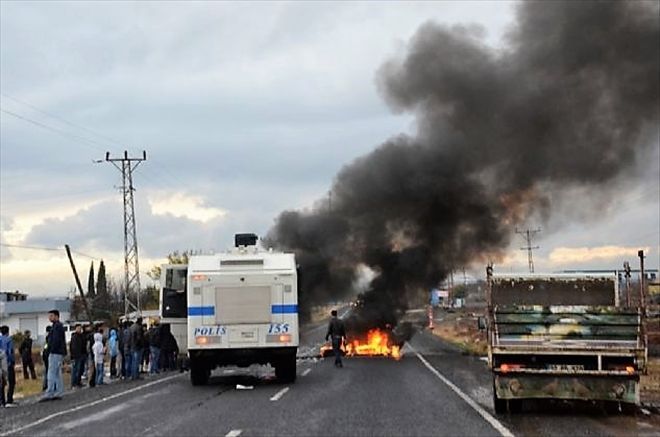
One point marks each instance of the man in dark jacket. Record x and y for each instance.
(137, 346)
(78, 349)
(169, 348)
(7, 345)
(89, 355)
(25, 350)
(56, 353)
(154, 348)
(127, 351)
(44, 358)
(337, 333)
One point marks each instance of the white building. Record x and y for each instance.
(21, 314)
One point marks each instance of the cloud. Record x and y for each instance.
(581, 255)
(184, 205)
(252, 115)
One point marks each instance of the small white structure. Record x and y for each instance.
(21, 314)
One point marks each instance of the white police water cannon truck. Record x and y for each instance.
(242, 309)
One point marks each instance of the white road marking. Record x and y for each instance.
(503, 430)
(234, 433)
(279, 394)
(306, 372)
(94, 417)
(80, 407)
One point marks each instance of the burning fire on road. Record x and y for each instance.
(378, 343)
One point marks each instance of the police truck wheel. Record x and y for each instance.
(285, 370)
(199, 373)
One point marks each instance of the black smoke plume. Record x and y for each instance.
(570, 101)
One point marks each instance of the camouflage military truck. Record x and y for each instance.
(562, 337)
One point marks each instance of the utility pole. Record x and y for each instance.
(528, 235)
(80, 289)
(626, 269)
(642, 277)
(126, 166)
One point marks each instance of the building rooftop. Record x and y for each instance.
(36, 305)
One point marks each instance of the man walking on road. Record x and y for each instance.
(7, 345)
(56, 352)
(78, 356)
(25, 350)
(337, 333)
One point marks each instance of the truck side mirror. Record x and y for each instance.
(481, 323)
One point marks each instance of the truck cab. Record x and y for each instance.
(174, 302)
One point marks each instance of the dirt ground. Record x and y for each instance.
(30, 387)
(460, 328)
(651, 383)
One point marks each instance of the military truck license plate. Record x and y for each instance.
(566, 367)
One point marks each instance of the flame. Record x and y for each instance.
(378, 344)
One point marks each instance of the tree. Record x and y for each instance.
(103, 301)
(172, 258)
(102, 281)
(150, 298)
(91, 293)
(77, 306)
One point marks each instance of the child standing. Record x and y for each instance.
(99, 353)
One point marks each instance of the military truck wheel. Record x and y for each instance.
(499, 404)
(515, 406)
(285, 370)
(199, 373)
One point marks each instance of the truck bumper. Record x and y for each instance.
(580, 387)
(242, 357)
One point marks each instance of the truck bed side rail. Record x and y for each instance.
(570, 326)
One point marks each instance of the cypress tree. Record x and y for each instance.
(91, 292)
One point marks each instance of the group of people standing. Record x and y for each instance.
(132, 345)
(154, 349)
(8, 362)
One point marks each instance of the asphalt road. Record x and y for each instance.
(432, 390)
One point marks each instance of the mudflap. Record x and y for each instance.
(581, 387)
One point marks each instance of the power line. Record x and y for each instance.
(528, 235)
(19, 246)
(53, 249)
(92, 142)
(89, 142)
(57, 117)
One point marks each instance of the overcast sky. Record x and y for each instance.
(244, 109)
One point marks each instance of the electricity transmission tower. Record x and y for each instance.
(126, 166)
(528, 235)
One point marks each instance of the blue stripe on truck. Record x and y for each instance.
(210, 311)
(201, 311)
(284, 309)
